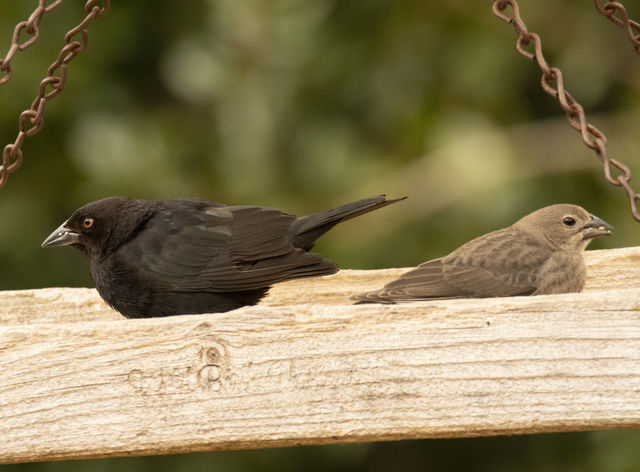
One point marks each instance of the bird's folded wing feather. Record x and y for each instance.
(221, 249)
(499, 264)
(425, 281)
(502, 263)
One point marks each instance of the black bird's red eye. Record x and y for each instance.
(87, 223)
(568, 221)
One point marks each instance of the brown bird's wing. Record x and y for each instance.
(219, 248)
(425, 281)
(499, 264)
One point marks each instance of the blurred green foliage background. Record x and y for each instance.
(305, 104)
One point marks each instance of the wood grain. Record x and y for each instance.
(307, 367)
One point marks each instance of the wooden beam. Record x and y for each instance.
(307, 367)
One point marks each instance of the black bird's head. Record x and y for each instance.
(100, 227)
(567, 227)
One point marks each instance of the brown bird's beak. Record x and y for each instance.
(62, 236)
(596, 228)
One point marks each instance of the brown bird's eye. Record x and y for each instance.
(568, 221)
(87, 223)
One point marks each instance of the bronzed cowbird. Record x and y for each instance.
(171, 257)
(539, 254)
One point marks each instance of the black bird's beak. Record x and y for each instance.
(596, 228)
(62, 236)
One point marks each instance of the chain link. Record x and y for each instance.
(30, 27)
(609, 10)
(530, 46)
(31, 120)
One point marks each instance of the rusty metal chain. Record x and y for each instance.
(31, 28)
(592, 136)
(31, 120)
(609, 10)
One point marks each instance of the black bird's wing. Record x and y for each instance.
(196, 246)
(499, 264)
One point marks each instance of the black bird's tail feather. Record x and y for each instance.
(306, 229)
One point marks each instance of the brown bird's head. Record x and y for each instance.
(567, 227)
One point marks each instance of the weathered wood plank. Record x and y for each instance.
(614, 268)
(306, 367)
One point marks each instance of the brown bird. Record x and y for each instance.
(539, 254)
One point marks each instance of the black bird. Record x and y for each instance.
(172, 257)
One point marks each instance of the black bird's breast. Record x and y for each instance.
(134, 294)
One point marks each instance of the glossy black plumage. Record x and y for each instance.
(169, 257)
(541, 253)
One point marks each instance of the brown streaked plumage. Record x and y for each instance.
(539, 254)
